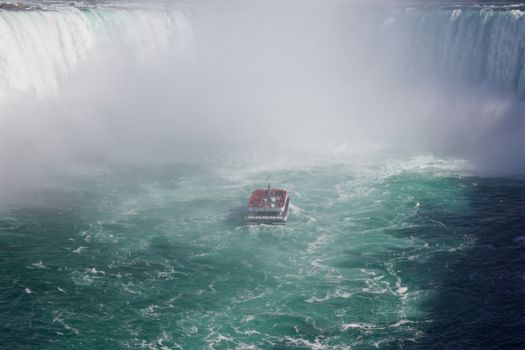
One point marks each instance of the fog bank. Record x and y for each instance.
(138, 84)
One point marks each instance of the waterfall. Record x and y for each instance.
(476, 45)
(157, 78)
(40, 48)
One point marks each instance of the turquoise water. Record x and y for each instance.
(406, 254)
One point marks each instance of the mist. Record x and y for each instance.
(178, 82)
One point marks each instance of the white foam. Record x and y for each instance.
(342, 294)
(150, 311)
(401, 323)
(79, 250)
(243, 346)
(316, 345)
(402, 290)
(94, 271)
(248, 318)
(321, 240)
(366, 326)
(337, 294)
(517, 14)
(82, 279)
(38, 265)
(314, 299)
(455, 14)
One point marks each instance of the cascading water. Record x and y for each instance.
(41, 49)
(479, 45)
(132, 135)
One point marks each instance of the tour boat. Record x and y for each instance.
(269, 206)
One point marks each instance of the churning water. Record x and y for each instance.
(407, 254)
